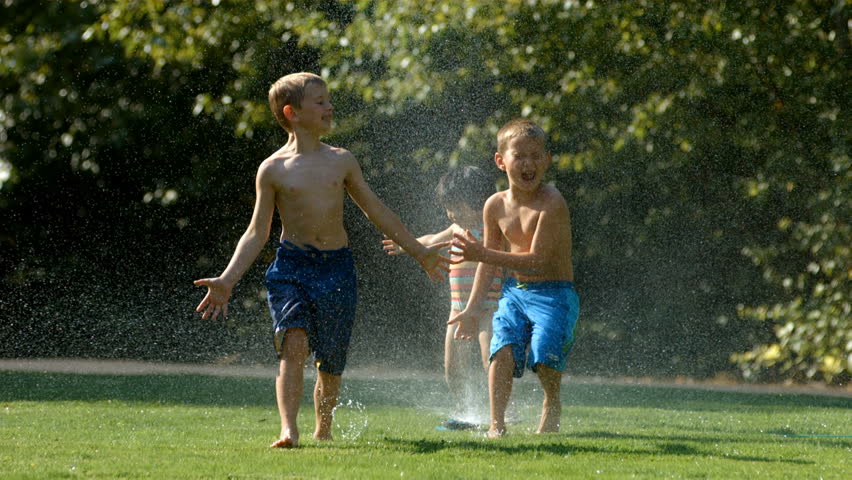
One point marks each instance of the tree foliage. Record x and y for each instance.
(689, 138)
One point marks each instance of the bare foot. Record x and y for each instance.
(322, 436)
(495, 433)
(549, 422)
(286, 442)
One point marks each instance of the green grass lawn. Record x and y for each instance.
(193, 426)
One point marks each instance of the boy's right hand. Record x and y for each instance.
(216, 300)
(467, 248)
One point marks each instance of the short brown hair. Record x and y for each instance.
(290, 90)
(519, 127)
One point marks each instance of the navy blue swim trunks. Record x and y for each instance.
(315, 290)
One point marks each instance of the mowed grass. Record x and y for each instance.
(193, 426)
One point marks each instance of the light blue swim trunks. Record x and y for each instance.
(540, 316)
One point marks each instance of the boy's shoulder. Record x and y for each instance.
(552, 195)
(548, 198)
(553, 201)
(341, 158)
(548, 195)
(279, 156)
(285, 153)
(337, 151)
(497, 197)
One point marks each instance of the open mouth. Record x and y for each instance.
(527, 176)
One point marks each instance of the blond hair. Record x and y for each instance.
(519, 127)
(290, 90)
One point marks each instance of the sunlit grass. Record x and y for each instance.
(191, 426)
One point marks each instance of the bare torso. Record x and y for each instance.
(309, 192)
(519, 220)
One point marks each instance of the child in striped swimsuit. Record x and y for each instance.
(462, 193)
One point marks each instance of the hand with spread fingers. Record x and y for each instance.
(467, 248)
(435, 264)
(216, 300)
(467, 325)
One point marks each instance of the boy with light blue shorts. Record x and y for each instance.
(528, 233)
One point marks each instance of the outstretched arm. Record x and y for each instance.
(392, 248)
(389, 223)
(250, 244)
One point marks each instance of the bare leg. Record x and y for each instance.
(325, 399)
(551, 410)
(453, 373)
(499, 389)
(289, 386)
(485, 338)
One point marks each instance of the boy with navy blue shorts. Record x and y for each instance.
(528, 233)
(311, 284)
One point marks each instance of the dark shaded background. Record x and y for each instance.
(703, 151)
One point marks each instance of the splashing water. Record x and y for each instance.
(350, 419)
(473, 407)
(465, 380)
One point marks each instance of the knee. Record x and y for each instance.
(504, 355)
(502, 362)
(295, 345)
(328, 384)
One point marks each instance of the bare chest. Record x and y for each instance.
(518, 226)
(311, 181)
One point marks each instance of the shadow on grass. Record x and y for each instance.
(241, 391)
(565, 448)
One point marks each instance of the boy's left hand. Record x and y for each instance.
(433, 262)
(467, 248)
(467, 323)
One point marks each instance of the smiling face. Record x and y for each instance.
(316, 112)
(524, 159)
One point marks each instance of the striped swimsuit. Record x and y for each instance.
(461, 281)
